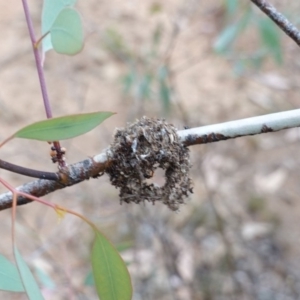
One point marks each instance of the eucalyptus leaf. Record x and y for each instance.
(31, 287)
(9, 276)
(144, 89)
(51, 9)
(67, 32)
(226, 38)
(44, 279)
(271, 39)
(165, 95)
(231, 6)
(89, 279)
(62, 128)
(112, 280)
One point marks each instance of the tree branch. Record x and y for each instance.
(95, 166)
(70, 175)
(279, 19)
(239, 128)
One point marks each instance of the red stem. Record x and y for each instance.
(38, 61)
(41, 76)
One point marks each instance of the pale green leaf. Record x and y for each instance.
(67, 32)
(230, 33)
(226, 38)
(165, 95)
(62, 128)
(44, 278)
(31, 287)
(89, 279)
(9, 276)
(111, 276)
(144, 88)
(231, 6)
(51, 9)
(270, 37)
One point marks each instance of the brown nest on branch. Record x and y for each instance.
(138, 150)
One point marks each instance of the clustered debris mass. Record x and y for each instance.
(140, 149)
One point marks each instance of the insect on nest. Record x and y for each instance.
(138, 150)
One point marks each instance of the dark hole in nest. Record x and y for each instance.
(142, 149)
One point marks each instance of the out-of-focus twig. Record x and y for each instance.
(279, 19)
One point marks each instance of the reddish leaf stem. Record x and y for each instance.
(38, 61)
(41, 76)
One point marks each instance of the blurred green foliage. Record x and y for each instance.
(147, 76)
(256, 205)
(241, 17)
(44, 278)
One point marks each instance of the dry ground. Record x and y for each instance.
(238, 235)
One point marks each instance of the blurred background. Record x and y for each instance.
(193, 63)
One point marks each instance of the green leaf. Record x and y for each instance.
(165, 95)
(114, 42)
(144, 88)
(67, 32)
(89, 279)
(156, 39)
(44, 279)
(231, 6)
(31, 287)
(129, 80)
(62, 128)
(9, 276)
(112, 279)
(163, 73)
(271, 38)
(230, 33)
(164, 88)
(51, 9)
(226, 38)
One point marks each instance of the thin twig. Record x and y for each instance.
(27, 171)
(279, 19)
(91, 167)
